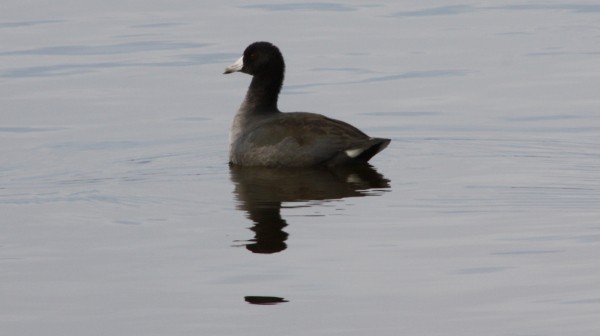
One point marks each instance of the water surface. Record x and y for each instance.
(120, 215)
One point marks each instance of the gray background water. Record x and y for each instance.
(120, 216)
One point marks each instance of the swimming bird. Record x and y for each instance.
(261, 135)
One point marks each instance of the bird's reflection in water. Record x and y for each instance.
(261, 191)
(264, 300)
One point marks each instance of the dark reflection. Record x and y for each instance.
(261, 191)
(264, 300)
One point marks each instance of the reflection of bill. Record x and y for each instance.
(264, 300)
(261, 191)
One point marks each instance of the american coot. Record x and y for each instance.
(261, 135)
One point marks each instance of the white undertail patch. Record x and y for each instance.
(354, 152)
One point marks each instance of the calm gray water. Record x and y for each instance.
(120, 215)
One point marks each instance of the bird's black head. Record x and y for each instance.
(260, 59)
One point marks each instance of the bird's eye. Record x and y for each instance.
(252, 56)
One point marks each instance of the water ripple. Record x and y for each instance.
(303, 6)
(462, 9)
(109, 49)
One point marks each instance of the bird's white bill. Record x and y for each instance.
(237, 66)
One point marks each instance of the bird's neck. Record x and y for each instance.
(262, 94)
